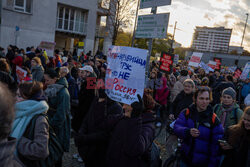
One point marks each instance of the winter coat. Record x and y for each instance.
(230, 119)
(73, 88)
(130, 145)
(85, 98)
(181, 102)
(36, 149)
(7, 157)
(162, 93)
(202, 151)
(178, 86)
(95, 131)
(37, 73)
(59, 109)
(8, 80)
(245, 90)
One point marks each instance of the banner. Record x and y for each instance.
(47, 45)
(125, 75)
(21, 74)
(166, 62)
(212, 64)
(205, 67)
(237, 73)
(195, 59)
(245, 72)
(218, 63)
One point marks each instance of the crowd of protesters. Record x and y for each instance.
(53, 103)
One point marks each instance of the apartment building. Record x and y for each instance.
(211, 39)
(28, 22)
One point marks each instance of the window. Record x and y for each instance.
(23, 5)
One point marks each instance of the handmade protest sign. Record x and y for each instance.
(212, 64)
(166, 62)
(125, 75)
(218, 63)
(232, 69)
(195, 59)
(245, 72)
(21, 74)
(237, 73)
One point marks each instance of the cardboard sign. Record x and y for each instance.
(21, 74)
(166, 62)
(195, 59)
(212, 64)
(125, 73)
(246, 71)
(237, 73)
(218, 63)
(47, 45)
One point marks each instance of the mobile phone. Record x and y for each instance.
(222, 141)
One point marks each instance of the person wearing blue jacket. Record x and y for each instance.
(200, 130)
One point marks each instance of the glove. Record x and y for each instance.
(138, 107)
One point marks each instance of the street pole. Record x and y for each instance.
(244, 31)
(150, 46)
(133, 38)
(172, 43)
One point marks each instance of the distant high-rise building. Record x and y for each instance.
(210, 39)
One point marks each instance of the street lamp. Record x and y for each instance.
(244, 31)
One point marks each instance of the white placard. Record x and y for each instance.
(125, 75)
(176, 59)
(212, 64)
(195, 59)
(154, 3)
(205, 67)
(245, 72)
(21, 74)
(232, 69)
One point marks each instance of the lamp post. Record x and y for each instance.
(244, 30)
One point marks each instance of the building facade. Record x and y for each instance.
(28, 22)
(209, 39)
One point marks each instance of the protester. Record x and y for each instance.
(7, 115)
(30, 103)
(94, 135)
(200, 131)
(237, 143)
(37, 69)
(132, 138)
(59, 107)
(183, 99)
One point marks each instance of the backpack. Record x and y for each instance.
(55, 148)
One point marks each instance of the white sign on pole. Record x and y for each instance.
(195, 59)
(246, 71)
(153, 3)
(125, 75)
(152, 26)
(205, 67)
(176, 59)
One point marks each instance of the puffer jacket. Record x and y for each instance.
(202, 151)
(37, 73)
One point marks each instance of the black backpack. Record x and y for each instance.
(55, 148)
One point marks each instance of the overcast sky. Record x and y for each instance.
(219, 13)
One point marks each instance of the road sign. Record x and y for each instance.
(152, 26)
(153, 3)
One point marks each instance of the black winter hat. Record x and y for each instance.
(184, 72)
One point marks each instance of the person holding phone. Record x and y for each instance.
(238, 143)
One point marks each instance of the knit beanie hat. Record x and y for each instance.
(184, 72)
(229, 91)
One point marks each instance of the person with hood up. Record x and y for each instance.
(7, 115)
(200, 130)
(133, 136)
(37, 70)
(96, 129)
(178, 86)
(30, 103)
(59, 107)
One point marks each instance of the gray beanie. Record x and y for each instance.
(229, 91)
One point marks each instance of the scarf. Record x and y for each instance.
(25, 111)
(224, 115)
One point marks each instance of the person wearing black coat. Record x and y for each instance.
(94, 134)
(130, 145)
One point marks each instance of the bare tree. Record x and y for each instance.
(121, 14)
